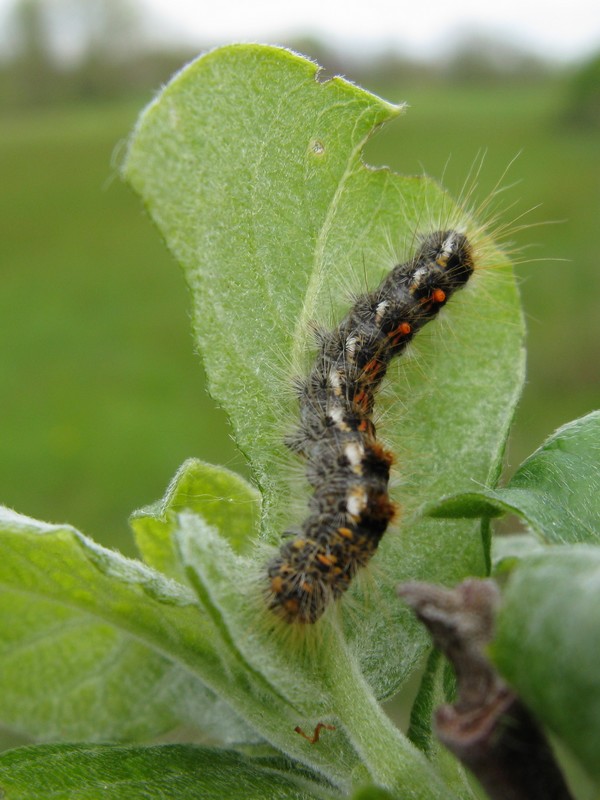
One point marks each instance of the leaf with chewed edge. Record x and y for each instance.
(251, 169)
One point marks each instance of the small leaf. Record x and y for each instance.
(222, 498)
(556, 490)
(171, 772)
(547, 644)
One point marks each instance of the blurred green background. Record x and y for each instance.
(101, 393)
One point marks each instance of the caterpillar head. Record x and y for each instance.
(451, 251)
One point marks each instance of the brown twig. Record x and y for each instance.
(488, 728)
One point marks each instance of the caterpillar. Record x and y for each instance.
(349, 470)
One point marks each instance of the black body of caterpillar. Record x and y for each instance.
(349, 470)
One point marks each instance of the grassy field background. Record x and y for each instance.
(102, 396)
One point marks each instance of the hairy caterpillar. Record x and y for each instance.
(348, 468)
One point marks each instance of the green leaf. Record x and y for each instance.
(556, 490)
(95, 646)
(223, 500)
(547, 643)
(171, 772)
(252, 170)
(57, 570)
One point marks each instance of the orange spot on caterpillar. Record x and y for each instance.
(402, 330)
(438, 295)
(400, 333)
(360, 397)
(292, 606)
(327, 561)
(346, 533)
(316, 733)
(277, 584)
(372, 367)
(298, 544)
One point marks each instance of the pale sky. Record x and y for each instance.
(565, 30)
(419, 28)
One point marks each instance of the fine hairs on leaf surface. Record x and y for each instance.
(251, 169)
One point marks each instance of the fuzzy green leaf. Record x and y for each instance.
(95, 646)
(252, 170)
(556, 490)
(223, 499)
(171, 772)
(547, 643)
